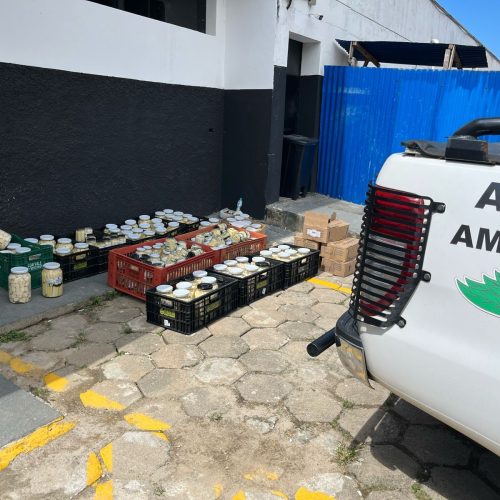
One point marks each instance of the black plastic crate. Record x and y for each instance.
(300, 269)
(78, 265)
(188, 317)
(187, 228)
(264, 282)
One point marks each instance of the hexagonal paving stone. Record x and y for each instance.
(167, 382)
(221, 371)
(371, 424)
(43, 361)
(436, 445)
(271, 302)
(264, 318)
(208, 401)
(390, 495)
(299, 313)
(264, 361)
(296, 330)
(177, 356)
(297, 298)
(330, 485)
(229, 326)
(138, 454)
(313, 405)
(316, 373)
(304, 287)
(139, 343)
(489, 467)
(265, 338)
(326, 323)
(54, 340)
(70, 322)
(162, 408)
(119, 391)
(328, 295)
(296, 353)
(171, 337)
(260, 388)
(357, 392)
(127, 367)
(140, 324)
(241, 311)
(90, 355)
(224, 346)
(114, 314)
(446, 483)
(103, 332)
(329, 311)
(385, 467)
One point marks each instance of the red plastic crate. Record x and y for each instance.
(254, 245)
(133, 277)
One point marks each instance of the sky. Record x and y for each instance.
(480, 17)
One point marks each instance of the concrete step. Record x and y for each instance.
(289, 214)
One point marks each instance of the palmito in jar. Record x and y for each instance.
(19, 285)
(4, 239)
(52, 280)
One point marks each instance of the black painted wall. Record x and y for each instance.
(78, 149)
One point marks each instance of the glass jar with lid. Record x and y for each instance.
(64, 243)
(63, 252)
(23, 250)
(80, 248)
(33, 241)
(144, 219)
(47, 239)
(131, 222)
(19, 285)
(52, 280)
(4, 239)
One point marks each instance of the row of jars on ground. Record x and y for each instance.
(20, 283)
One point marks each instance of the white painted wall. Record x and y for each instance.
(85, 37)
(391, 20)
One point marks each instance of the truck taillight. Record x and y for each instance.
(391, 253)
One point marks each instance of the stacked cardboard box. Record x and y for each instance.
(322, 231)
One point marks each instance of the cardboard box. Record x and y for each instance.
(316, 225)
(341, 251)
(321, 219)
(341, 269)
(337, 230)
(301, 241)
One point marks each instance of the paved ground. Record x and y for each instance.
(235, 411)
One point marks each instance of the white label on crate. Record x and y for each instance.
(314, 233)
(166, 322)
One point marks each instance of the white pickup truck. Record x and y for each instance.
(424, 315)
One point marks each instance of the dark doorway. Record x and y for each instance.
(292, 87)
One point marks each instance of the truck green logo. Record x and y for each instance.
(483, 294)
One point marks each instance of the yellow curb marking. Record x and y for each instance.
(20, 366)
(328, 284)
(280, 494)
(107, 456)
(305, 494)
(5, 357)
(34, 440)
(104, 491)
(55, 383)
(240, 495)
(272, 476)
(92, 399)
(218, 490)
(94, 469)
(145, 423)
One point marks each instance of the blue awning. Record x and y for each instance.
(418, 54)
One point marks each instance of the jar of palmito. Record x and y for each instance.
(52, 280)
(19, 285)
(4, 239)
(47, 239)
(64, 243)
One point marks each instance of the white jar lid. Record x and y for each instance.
(64, 241)
(63, 251)
(13, 246)
(134, 236)
(137, 230)
(147, 248)
(181, 293)
(125, 227)
(164, 288)
(177, 218)
(173, 224)
(155, 255)
(188, 216)
(157, 246)
(199, 274)
(47, 237)
(209, 279)
(140, 249)
(149, 233)
(184, 285)
(51, 266)
(168, 211)
(242, 259)
(193, 219)
(258, 259)
(213, 220)
(220, 267)
(114, 231)
(23, 250)
(144, 217)
(31, 240)
(205, 223)
(19, 270)
(111, 226)
(144, 225)
(159, 213)
(131, 222)
(81, 246)
(156, 220)
(284, 247)
(178, 213)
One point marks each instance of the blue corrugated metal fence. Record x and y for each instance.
(367, 112)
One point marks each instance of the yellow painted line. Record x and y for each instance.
(240, 495)
(331, 285)
(272, 476)
(218, 490)
(107, 456)
(305, 494)
(146, 423)
(94, 469)
(55, 383)
(280, 494)
(249, 477)
(104, 491)
(93, 399)
(5, 357)
(34, 440)
(20, 366)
